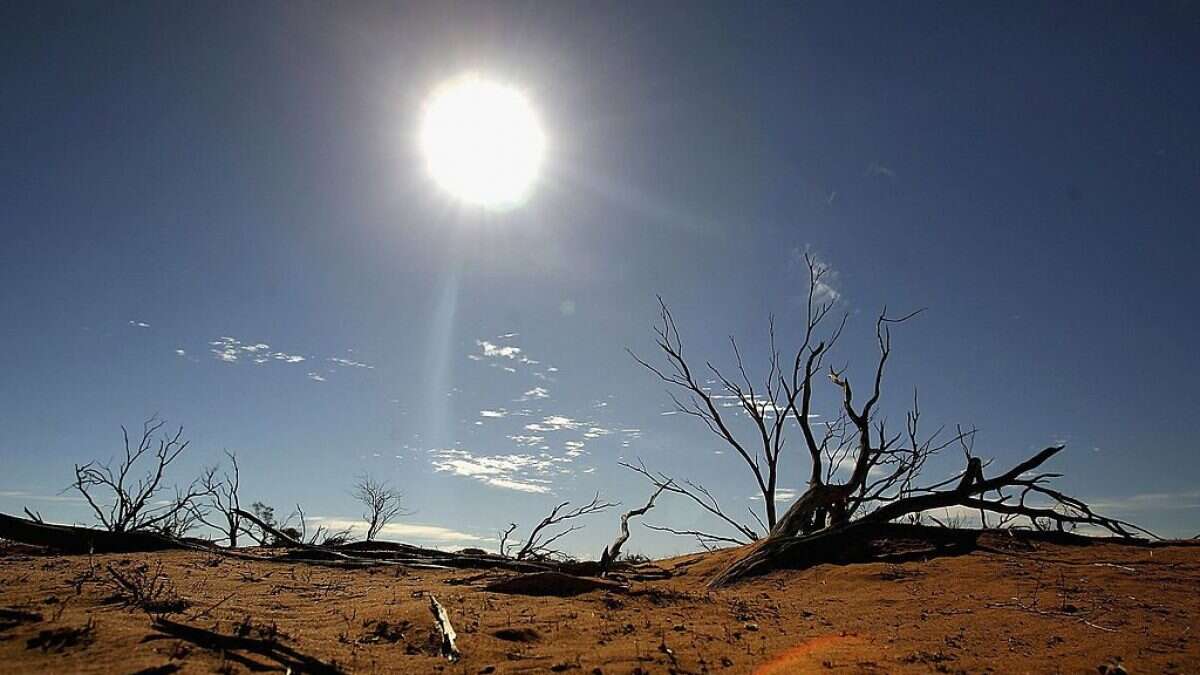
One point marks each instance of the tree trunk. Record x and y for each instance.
(69, 539)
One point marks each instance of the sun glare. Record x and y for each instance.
(482, 142)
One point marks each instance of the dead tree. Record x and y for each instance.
(382, 501)
(537, 546)
(766, 405)
(223, 497)
(263, 514)
(505, 547)
(702, 497)
(613, 551)
(135, 505)
(322, 536)
(859, 471)
(185, 513)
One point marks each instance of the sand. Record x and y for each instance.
(1010, 607)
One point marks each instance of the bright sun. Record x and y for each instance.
(482, 142)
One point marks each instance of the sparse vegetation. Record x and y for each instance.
(383, 503)
(860, 471)
(147, 588)
(132, 504)
(537, 544)
(224, 497)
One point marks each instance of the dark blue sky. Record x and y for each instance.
(246, 173)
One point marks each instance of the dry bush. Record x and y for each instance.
(134, 503)
(146, 588)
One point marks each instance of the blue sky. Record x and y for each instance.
(185, 182)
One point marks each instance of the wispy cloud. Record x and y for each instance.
(492, 350)
(527, 439)
(535, 393)
(139, 324)
(29, 496)
(554, 423)
(782, 495)
(350, 363)
(877, 169)
(493, 413)
(826, 288)
(233, 350)
(406, 532)
(574, 448)
(520, 472)
(498, 354)
(1150, 501)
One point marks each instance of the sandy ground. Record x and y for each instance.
(1036, 608)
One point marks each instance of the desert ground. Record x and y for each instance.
(1010, 606)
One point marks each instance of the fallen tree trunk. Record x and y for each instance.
(71, 539)
(613, 551)
(852, 543)
(553, 584)
(389, 554)
(79, 540)
(287, 657)
(787, 547)
(449, 648)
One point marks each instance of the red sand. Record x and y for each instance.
(1053, 609)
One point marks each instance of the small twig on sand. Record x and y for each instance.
(1119, 567)
(1020, 606)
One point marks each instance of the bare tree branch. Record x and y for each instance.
(612, 551)
(223, 497)
(537, 545)
(133, 506)
(382, 501)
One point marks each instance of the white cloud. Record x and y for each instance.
(28, 496)
(521, 439)
(513, 353)
(877, 169)
(596, 432)
(232, 350)
(492, 350)
(826, 287)
(554, 423)
(493, 413)
(139, 324)
(180, 352)
(535, 393)
(561, 422)
(1150, 501)
(781, 494)
(405, 532)
(350, 363)
(520, 472)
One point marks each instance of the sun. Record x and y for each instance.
(482, 141)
